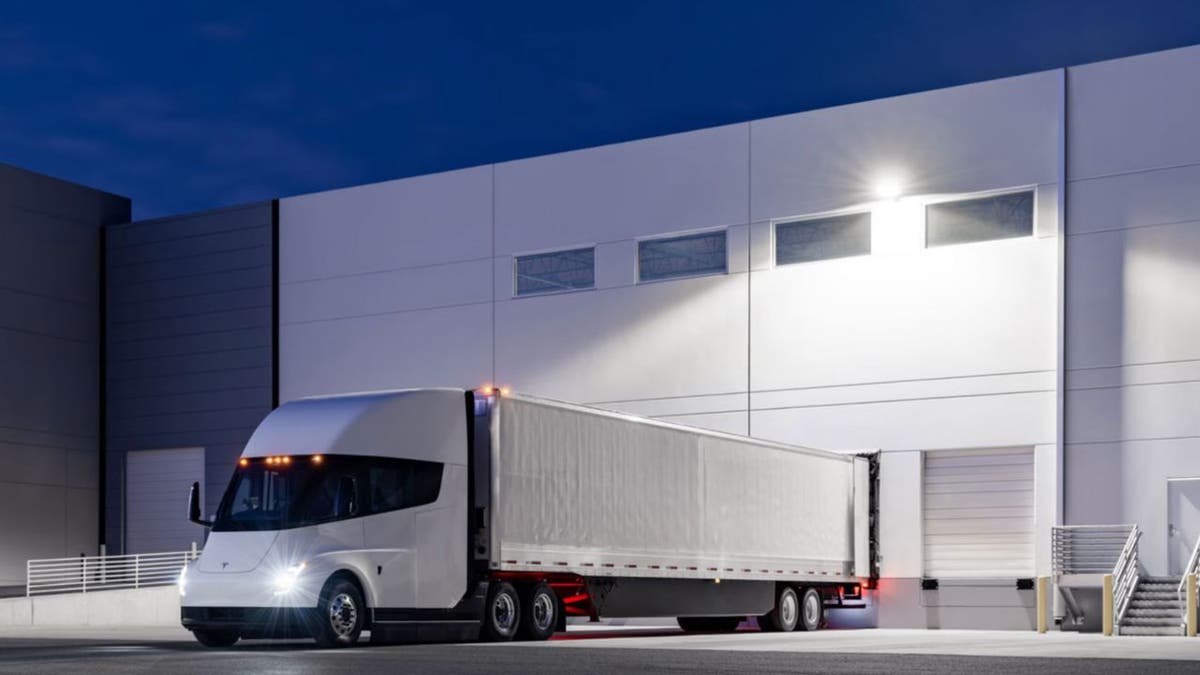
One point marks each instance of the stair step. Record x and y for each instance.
(1151, 630)
(1151, 621)
(1150, 612)
(1154, 595)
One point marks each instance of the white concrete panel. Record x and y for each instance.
(973, 309)
(385, 226)
(1134, 113)
(384, 292)
(1045, 504)
(82, 524)
(683, 406)
(1125, 303)
(1040, 381)
(975, 137)
(729, 422)
(1133, 413)
(32, 518)
(966, 422)
(429, 348)
(1127, 482)
(671, 338)
(900, 544)
(35, 464)
(653, 186)
(1134, 200)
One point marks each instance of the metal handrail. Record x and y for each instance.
(97, 573)
(1125, 576)
(1087, 549)
(1193, 564)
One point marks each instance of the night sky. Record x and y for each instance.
(191, 105)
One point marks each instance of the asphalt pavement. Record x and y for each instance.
(586, 652)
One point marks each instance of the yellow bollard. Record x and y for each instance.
(1106, 608)
(1191, 605)
(1041, 603)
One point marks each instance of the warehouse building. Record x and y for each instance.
(993, 284)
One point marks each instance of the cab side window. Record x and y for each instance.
(403, 483)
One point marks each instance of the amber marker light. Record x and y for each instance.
(243, 462)
(317, 459)
(287, 460)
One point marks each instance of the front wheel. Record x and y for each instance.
(216, 638)
(502, 613)
(340, 615)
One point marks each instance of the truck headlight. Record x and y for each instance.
(182, 581)
(285, 581)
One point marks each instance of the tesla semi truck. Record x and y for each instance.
(466, 514)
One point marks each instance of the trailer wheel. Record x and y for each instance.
(812, 609)
(709, 624)
(540, 610)
(786, 614)
(341, 614)
(502, 613)
(215, 638)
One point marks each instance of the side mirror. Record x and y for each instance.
(194, 507)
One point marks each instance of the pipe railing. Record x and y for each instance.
(1087, 549)
(1192, 566)
(1125, 576)
(103, 573)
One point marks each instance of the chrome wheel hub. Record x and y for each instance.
(788, 609)
(343, 615)
(504, 612)
(543, 612)
(812, 608)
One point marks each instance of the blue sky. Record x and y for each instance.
(187, 105)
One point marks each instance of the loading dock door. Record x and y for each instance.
(978, 513)
(156, 494)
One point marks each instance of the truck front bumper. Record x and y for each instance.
(252, 622)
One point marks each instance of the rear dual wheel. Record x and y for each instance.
(803, 611)
(532, 614)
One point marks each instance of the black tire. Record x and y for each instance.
(786, 613)
(341, 614)
(812, 610)
(539, 612)
(216, 638)
(501, 613)
(709, 624)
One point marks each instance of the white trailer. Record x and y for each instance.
(424, 513)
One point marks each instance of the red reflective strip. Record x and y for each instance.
(578, 597)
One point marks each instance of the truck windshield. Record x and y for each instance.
(282, 493)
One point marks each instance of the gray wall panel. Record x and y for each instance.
(190, 334)
(49, 366)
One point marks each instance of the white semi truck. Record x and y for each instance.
(436, 513)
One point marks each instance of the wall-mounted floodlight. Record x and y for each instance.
(889, 188)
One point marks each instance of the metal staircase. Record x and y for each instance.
(1155, 608)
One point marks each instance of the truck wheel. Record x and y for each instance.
(501, 613)
(709, 624)
(812, 609)
(340, 615)
(539, 606)
(215, 638)
(785, 615)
